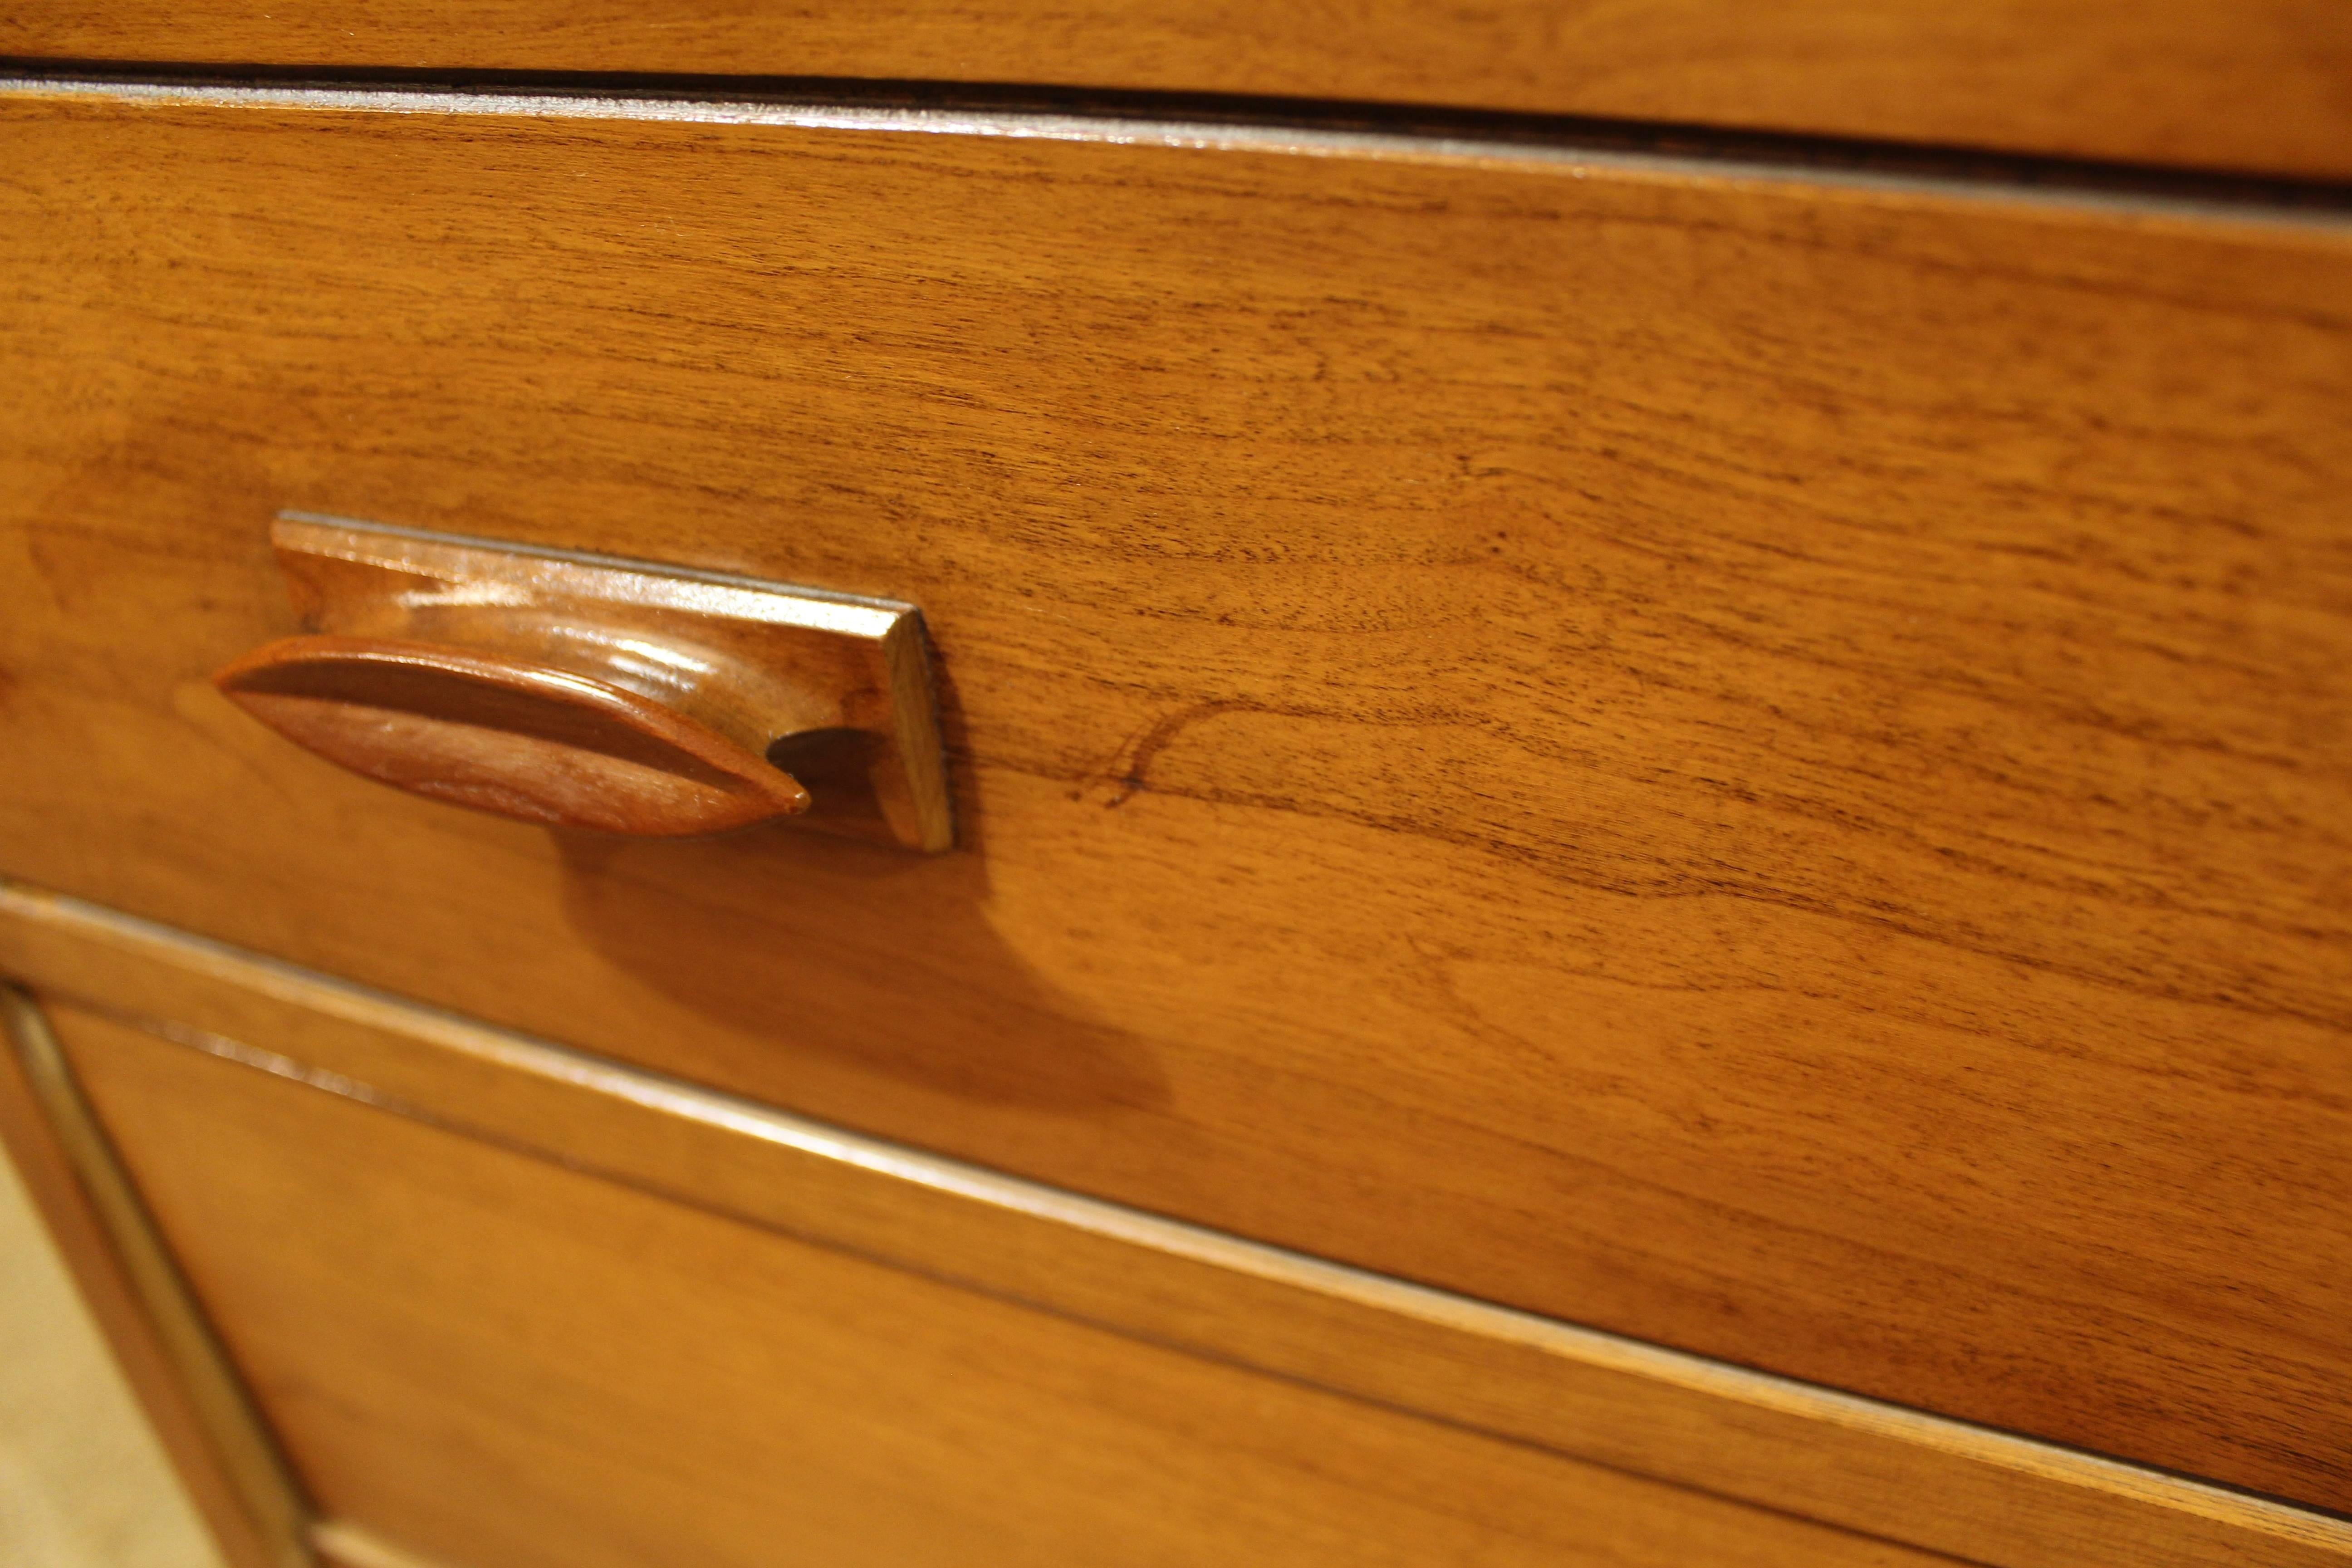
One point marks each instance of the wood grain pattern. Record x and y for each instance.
(2263, 85)
(256, 1516)
(1817, 1453)
(1759, 767)
(489, 1358)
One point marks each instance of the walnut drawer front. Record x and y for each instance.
(495, 1360)
(428, 1286)
(1755, 763)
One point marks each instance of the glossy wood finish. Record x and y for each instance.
(491, 1359)
(1758, 767)
(2254, 84)
(1812, 1452)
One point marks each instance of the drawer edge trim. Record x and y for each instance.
(2196, 197)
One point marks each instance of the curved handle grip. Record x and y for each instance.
(500, 734)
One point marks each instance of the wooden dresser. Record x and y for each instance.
(1552, 783)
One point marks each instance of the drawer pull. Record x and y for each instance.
(586, 691)
(519, 740)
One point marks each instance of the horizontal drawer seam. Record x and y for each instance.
(1579, 149)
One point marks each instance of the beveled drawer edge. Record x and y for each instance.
(219, 1443)
(1838, 1458)
(222, 1449)
(2191, 202)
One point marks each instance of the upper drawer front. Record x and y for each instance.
(2253, 85)
(1759, 765)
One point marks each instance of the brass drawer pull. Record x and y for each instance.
(582, 692)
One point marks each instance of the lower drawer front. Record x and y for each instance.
(517, 1304)
(504, 1363)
